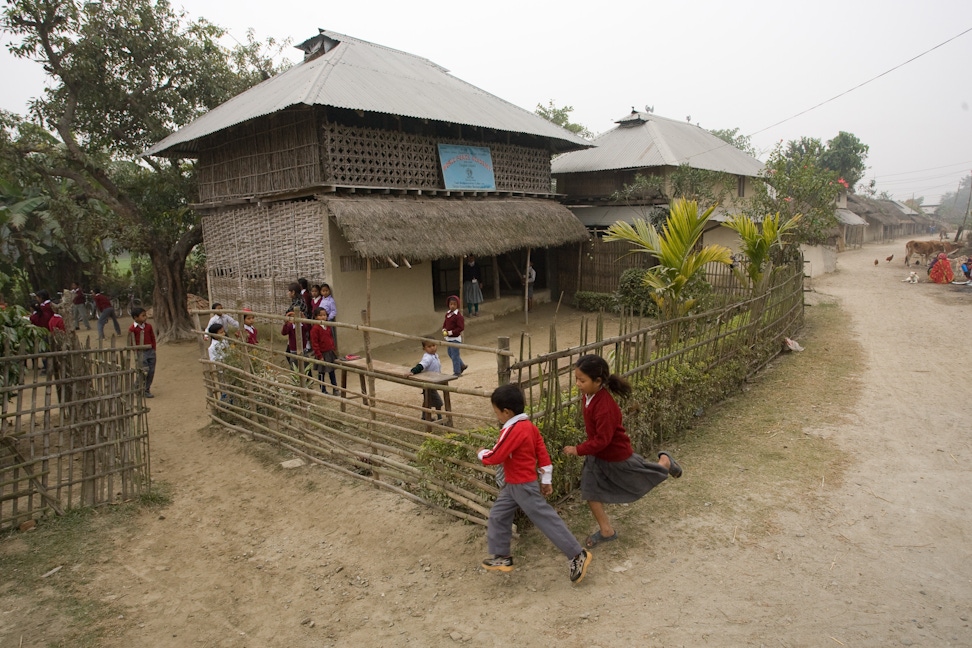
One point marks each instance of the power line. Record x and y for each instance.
(860, 85)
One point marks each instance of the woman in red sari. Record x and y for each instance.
(941, 272)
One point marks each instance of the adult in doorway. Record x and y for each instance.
(472, 286)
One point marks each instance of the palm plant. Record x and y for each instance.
(675, 248)
(760, 245)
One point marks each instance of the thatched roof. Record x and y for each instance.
(427, 228)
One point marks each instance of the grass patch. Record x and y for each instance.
(77, 543)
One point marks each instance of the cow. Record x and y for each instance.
(924, 249)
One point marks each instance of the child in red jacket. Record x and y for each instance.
(140, 333)
(323, 345)
(519, 449)
(613, 473)
(452, 327)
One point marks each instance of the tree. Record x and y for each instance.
(675, 248)
(561, 117)
(732, 136)
(845, 154)
(123, 75)
(793, 183)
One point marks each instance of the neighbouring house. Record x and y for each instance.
(888, 219)
(657, 148)
(364, 161)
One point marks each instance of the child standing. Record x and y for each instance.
(327, 301)
(429, 362)
(520, 449)
(452, 328)
(105, 311)
(140, 333)
(250, 335)
(323, 345)
(290, 331)
(78, 307)
(613, 473)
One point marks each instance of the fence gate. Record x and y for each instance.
(73, 430)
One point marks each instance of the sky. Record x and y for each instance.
(747, 64)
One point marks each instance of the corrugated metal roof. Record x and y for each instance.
(359, 75)
(848, 217)
(646, 140)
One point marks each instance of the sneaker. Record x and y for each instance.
(578, 565)
(149, 395)
(499, 563)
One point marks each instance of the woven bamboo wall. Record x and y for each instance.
(254, 252)
(371, 157)
(274, 154)
(596, 265)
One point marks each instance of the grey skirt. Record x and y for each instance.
(472, 293)
(619, 482)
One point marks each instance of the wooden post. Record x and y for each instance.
(580, 264)
(367, 334)
(496, 277)
(503, 362)
(461, 263)
(526, 291)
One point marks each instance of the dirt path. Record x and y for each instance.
(252, 555)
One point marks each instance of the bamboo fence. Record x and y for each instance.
(382, 438)
(73, 429)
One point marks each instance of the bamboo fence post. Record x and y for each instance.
(503, 362)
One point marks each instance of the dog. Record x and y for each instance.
(912, 278)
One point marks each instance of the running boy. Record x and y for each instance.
(140, 333)
(429, 362)
(519, 449)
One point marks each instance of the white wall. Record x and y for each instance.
(818, 259)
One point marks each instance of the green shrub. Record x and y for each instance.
(434, 460)
(594, 301)
(634, 295)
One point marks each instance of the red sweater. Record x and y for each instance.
(141, 335)
(56, 323)
(454, 323)
(288, 330)
(102, 302)
(606, 438)
(520, 449)
(321, 340)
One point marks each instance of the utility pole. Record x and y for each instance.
(958, 234)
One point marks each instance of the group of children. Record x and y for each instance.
(612, 474)
(306, 302)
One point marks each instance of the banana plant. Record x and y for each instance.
(675, 249)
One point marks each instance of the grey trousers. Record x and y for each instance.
(499, 528)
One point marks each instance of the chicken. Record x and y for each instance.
(875, 261)
(889, 258)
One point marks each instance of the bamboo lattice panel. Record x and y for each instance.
(264, 156)
(370, 157)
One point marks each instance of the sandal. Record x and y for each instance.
(596, 538)
(674, 471)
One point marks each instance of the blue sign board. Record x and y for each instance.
(467, 168)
